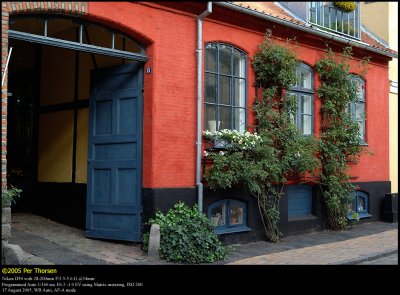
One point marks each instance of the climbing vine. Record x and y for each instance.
(280, 151)
(340, 133)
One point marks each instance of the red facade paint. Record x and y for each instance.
(169, 133)
(170, 90)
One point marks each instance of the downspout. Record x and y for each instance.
(199, 51)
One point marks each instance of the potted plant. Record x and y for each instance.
(346, 6)
(9, 196)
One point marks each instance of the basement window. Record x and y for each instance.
(228, 216)
(359, 205)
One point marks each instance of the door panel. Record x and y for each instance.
(114, 157)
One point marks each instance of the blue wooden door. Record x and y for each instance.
(115, 152)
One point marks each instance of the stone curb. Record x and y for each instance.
(363, 258)
(14, 255)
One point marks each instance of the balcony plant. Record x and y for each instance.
(346, 6)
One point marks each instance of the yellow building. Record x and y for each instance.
(381, 19)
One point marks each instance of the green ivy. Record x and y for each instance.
(282, 151)
(339, 138)
(186, 236)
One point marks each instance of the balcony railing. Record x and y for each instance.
(329, 17)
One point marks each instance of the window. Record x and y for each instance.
(225, 88)
(357, 108)
(304, 91)
(359, 205)
(299, 201)
(228, 216)
(50, 29)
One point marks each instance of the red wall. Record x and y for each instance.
(169, 133)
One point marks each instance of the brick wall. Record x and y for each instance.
(169, 132)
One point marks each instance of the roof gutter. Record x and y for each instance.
(306, 28)
(199, 51)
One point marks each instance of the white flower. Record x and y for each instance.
(221, 153)
(205, 153)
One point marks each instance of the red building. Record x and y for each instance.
(100, 107)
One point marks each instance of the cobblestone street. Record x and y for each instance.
(53, 243)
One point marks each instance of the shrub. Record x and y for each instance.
(186, 236)
(8, 197)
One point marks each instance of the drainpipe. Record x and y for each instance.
(199, 51)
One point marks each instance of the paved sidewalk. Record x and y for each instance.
(60, 244)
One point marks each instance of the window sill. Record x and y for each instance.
(234, 229)
(360, 216)
(302, 218)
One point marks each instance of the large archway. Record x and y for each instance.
(57, 115)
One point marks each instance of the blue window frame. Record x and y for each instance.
(304, 91)
(359, 205)
(356, 108)
(225, 83)
(228, 216)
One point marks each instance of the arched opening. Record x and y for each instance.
(74, 123)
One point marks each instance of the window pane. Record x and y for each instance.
(360, 204)
(361, 128)
(224, 60)
(351, 208)
(239, 119)
(238, 64)
(209, 117)
(360, 90)
(360, 110)
(210, 59)
(307, 124)
(236, 215)
(28, 25)
(225, 117)
(307, 106)
(210, 85)
(97, 35)
(125, 44)
(239, 92)
(62, 28)
(224, 90)
(218, 215)
(305, 79)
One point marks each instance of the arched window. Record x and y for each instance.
(304, 91)
(225, 79)
(75, 33)
(359, 205)
(228, 216)
(357, 107)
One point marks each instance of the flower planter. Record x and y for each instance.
(220, 143)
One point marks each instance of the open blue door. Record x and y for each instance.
(115, 151)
